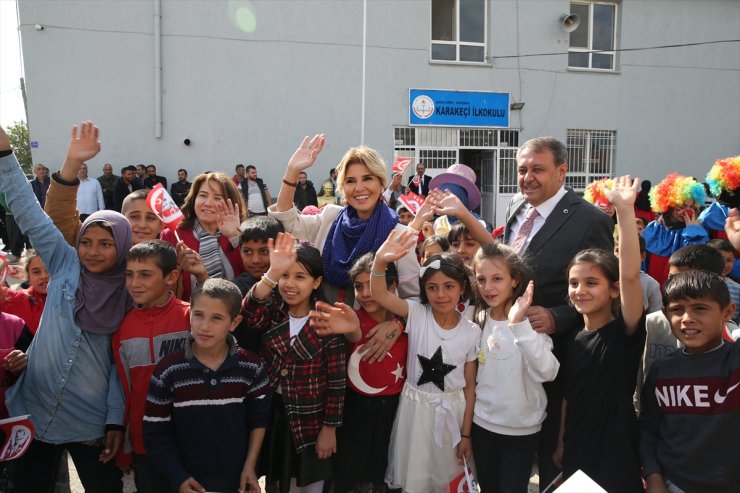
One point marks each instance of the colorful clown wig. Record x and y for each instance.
(674, 190)
(595, 192)
(724, 179)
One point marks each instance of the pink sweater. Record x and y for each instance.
(10, 329)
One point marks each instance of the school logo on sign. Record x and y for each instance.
(423, 107)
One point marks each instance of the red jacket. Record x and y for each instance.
(187, 236)
(25, 304)
(146, 336)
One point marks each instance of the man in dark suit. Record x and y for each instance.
(419, 183)
(124, 186)
(152, 178)
(181, 188)
(548, 224)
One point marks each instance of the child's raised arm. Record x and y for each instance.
(425, 213)
(448, 204)
(339, 318)
(45, 237)
(83, 145)
(61, 199)
(396, 246)
(282, 256)
(536, 348)
(623, 196)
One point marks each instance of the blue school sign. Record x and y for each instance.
(458, 108)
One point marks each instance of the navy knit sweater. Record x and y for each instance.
(197, 420)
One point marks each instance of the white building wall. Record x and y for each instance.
(250, 97)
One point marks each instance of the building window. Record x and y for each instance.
(592, 45)
(590, 156)
(459, 30)
(507, 172)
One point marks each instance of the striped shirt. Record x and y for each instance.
(197, 420)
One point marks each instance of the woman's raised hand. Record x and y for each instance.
(228, 218)
(282, 254)
(396, 246)
(83, 142)
(307, 152)
(518, 311)
(624, 192)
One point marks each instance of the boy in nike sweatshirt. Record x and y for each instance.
(157, 325)
(690, 416)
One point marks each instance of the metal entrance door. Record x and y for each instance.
(506, 186)
(488, 185)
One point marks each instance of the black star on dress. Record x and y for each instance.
(434, 369)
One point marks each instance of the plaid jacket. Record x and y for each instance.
(311, 371)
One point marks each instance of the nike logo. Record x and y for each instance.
(719, 398)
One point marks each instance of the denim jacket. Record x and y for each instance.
(70, 387)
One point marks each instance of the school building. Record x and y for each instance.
(632, 86)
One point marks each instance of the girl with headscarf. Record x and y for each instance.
(70, 387)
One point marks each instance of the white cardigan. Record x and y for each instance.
(316, 228)
(514, 361)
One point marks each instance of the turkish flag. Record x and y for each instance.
(164, 207)
(401, 163)
(464, 482)
(411, 201)
(16, 435)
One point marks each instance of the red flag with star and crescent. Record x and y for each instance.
(16, 435)
(411, 201)
(400, 164)
(161, 203)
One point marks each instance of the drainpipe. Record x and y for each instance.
(364, 52)
(158, 69)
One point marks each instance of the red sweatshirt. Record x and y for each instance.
(146, 336)
(27, 304)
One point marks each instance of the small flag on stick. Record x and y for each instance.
(164, 207)
(400, 164)
(411, 201)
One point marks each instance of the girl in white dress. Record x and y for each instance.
(431, 433)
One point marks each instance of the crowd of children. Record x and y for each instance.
(366, 347)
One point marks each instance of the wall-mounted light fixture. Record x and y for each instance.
(516, 106)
